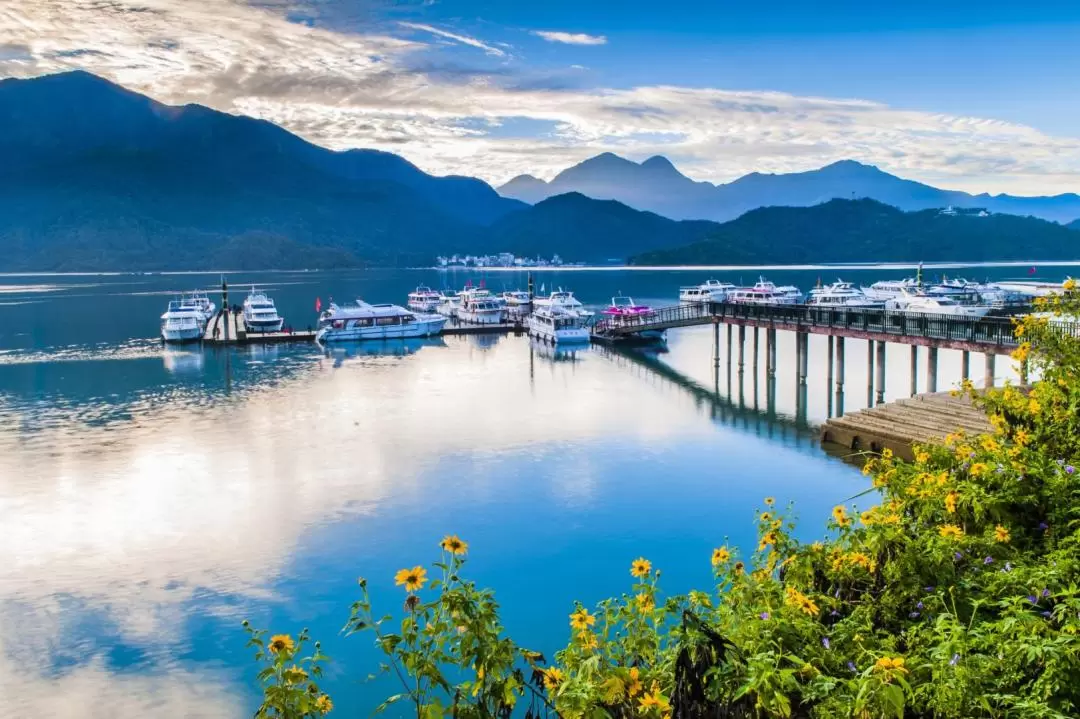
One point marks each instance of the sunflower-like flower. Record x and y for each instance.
(769, 501)
(950, 502)
(280, 643)
(797, 599)
(454, 544)
(720, 555)
(644, 602)
(1001, 534)
(323, 704)
(294, 675)
(950, 531)
(553, 677)
(414, 579)
(634, 686)
(582, 620)
(640, 567)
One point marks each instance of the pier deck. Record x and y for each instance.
(898, 425)
(230, 330)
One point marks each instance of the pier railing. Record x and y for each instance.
(990, 332)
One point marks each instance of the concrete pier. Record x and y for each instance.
(988, 377)
(898, 425)
(965, 365)
(880, 372)
(870, 373)
(839, 376)
(931, 369)
(742, 348)
(914, 370)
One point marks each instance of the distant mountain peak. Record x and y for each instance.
(605, 160)
(658, 162)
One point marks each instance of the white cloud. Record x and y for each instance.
(571, 38)
(463, 39)
(373, 90)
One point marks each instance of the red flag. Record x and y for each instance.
(481, 282)
(318, 304)
(1031, 271)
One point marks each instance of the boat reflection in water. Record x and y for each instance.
(341, 351)
(557, 353)
(261, 352)
(180, 362)
(485, 340)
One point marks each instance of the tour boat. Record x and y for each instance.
(975, 293)
(364, 321)
(708, 291)
(888, 289)
(517, 299)
(929, 304)
(841, 294)
(786, 294)
(624, 307)
(424, 299)
(565, 300)
(182, 323)
(260, 314)
(200, 302)
(558, 324)
(764, 293)
(449, 305)
(481, 308)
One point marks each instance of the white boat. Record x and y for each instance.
(182, 323)
(260, 314)
(481, 308)
(976, 293)
(565, 300)
(424, 299)
(517, 299)
(1030, 288)
(764, 293)
(787, 294)
(449, 305)
(888, 289)
(364, 321)
(841, 294)
(929, 304)
(558, 324)
(708, 291)
(201, 303)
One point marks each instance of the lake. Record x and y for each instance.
(152, 499)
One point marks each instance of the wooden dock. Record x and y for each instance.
(463, 328)
(898, 425)
(227, 328)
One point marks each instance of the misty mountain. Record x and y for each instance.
(868, 230)
(656, 185)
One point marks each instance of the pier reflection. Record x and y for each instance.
(183, 362)
(342, 351)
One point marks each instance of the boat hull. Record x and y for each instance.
(428, 327)
(182, 335)
(264, 327)
(423, 305)
(484, 317)
(568, 335)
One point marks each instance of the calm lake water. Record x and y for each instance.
(151, 499)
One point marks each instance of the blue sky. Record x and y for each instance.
(976, 96)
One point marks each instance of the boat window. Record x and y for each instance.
(383, 321)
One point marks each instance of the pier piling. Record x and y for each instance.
(840, 376)
(988, 377)
(931, 370)
(716, 342)
(802, 349)
(870, 373)
(755, 351)
(880, 372)
(914, 370)
(829, 377)
(965, 365)
(742, 348)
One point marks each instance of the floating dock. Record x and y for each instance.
(227, 328)
(898, 425)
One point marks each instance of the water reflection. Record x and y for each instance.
(557, 353)
(183, 362)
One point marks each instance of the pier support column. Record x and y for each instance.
(755, 351)
(965, 365)
(880, 372)
(770, 350)
(931, 370)
(716, 342)
(839, 376)
(802, 346)
(729, 346)
(988, 378)
(870, 373)
(914, 370)
(829, 377)
(742, 347)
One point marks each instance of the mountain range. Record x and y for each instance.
(871, 231)
(656, 185)
(95, 177)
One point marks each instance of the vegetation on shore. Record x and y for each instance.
(950, 588)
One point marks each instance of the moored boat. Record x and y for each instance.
(260, 314)
(182, 323)
(424, 299)
(622, 306)
(363, 321)
(708, 291)
(928, 304)
(481, 308)
(841, 294)
(565, 300)
(888, 289)
(558, 324)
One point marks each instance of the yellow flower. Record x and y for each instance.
(839, 512)
(1069, 285)
(1001, 534)
(581, 619)
(950, 502)
(454, 544)
(553, 677)
(645, 602)
(588, 640)
(279, 643)
(414, 579)
(950, 531)
(653, 700)
(324, 705)
(1022, 437)
(867, 517)
(797, 599)
(294, 675)
(1033, 406)
(978, 469)
(766, 516)
(720, 555)
(738, 567)
(768, 540)
(640, 567)
(886, 664)
(633, 687)
(1020, 354)
(922, 457)
(769, 501)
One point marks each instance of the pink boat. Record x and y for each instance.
(625, 307)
